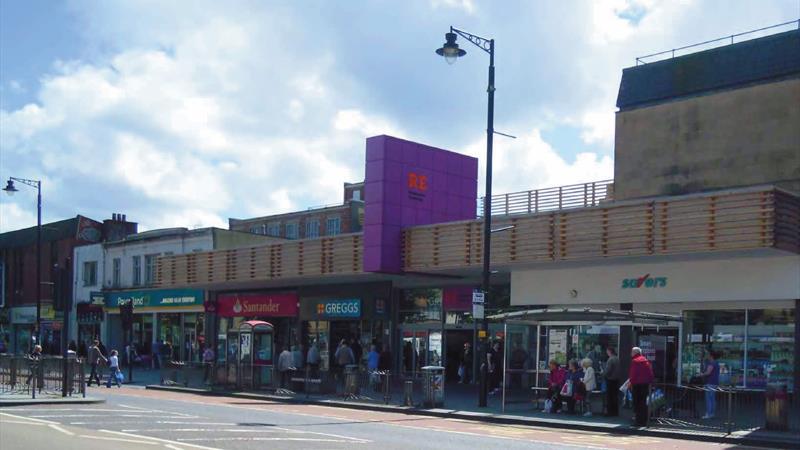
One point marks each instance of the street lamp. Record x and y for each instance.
(451, 52)
(10, 189)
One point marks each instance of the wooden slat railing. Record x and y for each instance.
(747, 219)
(721, 221)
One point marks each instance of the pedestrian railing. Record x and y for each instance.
(47, 375)
(720, 409)
(581, 195)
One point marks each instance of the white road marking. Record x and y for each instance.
(197, 430)
(75, 409)
(164, 441)
(22, 422)
(46, 422)
(44, 416)
(58, 428)
(170, 446)
(103, 438)
(229, 424)
(323, 434)
(272, 439)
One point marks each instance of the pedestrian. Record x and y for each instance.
(612, 374)
(640, 375)
(344, 357)
(156, 352)
(95, 358)
(385, 359)
(495, 360)
(208, 362)
(312, 359)
(575, 378)
(34, 358)
(589, 384)
(465, 367)
(355, 346)
(285, 366)
(113, 370)
(711, 378)
(166, 351)
(555, 382)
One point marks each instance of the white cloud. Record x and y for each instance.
(13, 217)
(468, 6)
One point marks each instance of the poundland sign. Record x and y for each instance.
(157, 298)
(339, 309)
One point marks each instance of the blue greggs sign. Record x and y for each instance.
(339, 309)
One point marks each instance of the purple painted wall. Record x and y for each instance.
(409, 184)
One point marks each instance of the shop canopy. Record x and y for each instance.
(586, 316)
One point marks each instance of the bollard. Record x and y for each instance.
(387, 396)
(408, 393)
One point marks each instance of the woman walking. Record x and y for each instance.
(113, 369)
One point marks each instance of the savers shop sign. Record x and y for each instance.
(339, 309)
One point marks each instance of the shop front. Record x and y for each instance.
(359, 315)
(23, 323)
(233, 309)
(169, 323)
(743, 309)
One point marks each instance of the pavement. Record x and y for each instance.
(133, 417)
(25, 399)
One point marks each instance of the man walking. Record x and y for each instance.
(711, 376)
(641, 375)
(95, 356)
(285, 361)
(612, 376)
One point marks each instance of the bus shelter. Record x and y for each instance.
(558, 335)
(250, 356)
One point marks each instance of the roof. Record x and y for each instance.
(162, 233)
(53, 231)
(765, 59)
(595, 316)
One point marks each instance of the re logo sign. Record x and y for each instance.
(419, 182)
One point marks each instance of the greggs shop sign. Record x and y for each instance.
(339, 309)
(257, 305)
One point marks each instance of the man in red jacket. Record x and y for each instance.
(641, 375)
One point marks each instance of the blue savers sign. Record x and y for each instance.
(339, 309)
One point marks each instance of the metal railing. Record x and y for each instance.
(21, 375)
(550, 199)
(726, 39)
(719, 409)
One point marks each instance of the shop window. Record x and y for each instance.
(770, 347)
(274, 229)
(720, 331)
(116, 271)
(312, 228)
(137, 270)
(333, 226)
(421, 305)
(150, 269)
(291, 230)
(90, 273)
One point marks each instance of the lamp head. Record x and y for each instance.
(450, 50)
(10, 188)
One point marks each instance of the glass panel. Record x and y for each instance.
(421, 305)
(770, 347)
(720, 331)
(435, 348)
(594, 340)
(170, 335)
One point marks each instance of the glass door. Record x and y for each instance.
(232, 358)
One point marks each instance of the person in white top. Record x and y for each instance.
(589, 382)
(113, 369)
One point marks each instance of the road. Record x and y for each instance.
(136, 418)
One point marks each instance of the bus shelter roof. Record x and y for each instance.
(586, 316)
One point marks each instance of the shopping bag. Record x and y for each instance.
(625, 386)
(461, 371)
(120, 376)
(548, 406)
(566, 390)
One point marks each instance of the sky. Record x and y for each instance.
(187, 113)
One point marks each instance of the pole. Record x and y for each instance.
(505, 352)
(67, 379)
(39, 263)
(487, 221)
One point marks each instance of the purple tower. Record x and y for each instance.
(411, 184)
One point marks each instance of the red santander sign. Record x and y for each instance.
(257, 305)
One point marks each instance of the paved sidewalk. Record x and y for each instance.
(461, 403)
(25, 399)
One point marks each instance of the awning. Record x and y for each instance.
(579, 316)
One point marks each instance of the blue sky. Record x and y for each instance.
(187, 113)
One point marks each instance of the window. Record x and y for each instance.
(274, 229)
(291, 230)
(421, 305)
(90, 273)
(720, 331)
(137, 270)
(150, 269)
(770, 347)
(312, 228)
(117, 271)
(357, 194)
(333, 226)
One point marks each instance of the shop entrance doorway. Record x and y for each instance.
(454, 342)
(660, 346)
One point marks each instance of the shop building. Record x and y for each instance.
(58, 268)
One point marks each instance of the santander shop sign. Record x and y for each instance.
(257, 305)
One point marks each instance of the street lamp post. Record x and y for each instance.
(10, 189)
(451, 52)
